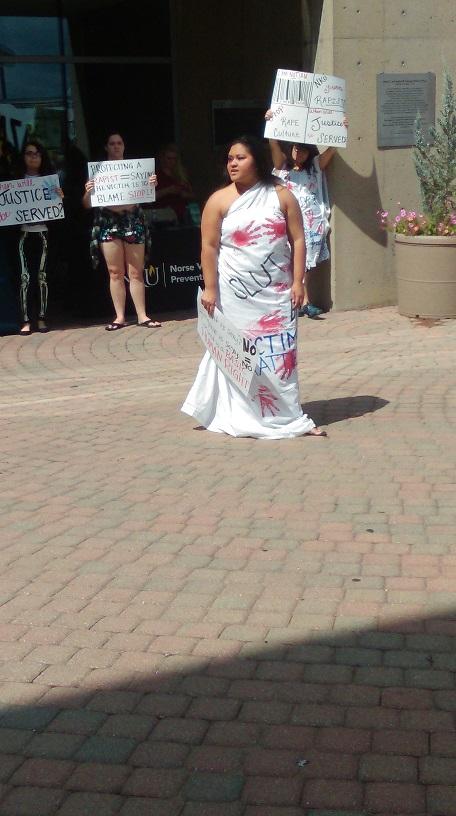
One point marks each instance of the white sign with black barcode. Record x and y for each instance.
(308, 108)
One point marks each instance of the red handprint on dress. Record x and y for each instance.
(283, 286)
(275, 229)
(288, 365)
(267, 324)
(247, 236)
(267, 401)
(309, 218)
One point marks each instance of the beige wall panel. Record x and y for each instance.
(358, 62)
(418, 18)
(356, 19)
(360, 273)
(419, 55)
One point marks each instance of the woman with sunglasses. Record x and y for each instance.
(34, 246)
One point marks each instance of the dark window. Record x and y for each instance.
(121, 27)
(29, 35)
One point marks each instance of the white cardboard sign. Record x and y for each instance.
(308, 108)
(123, 181)
(229, 349)
(30, 201)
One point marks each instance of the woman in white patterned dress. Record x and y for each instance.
(303, 171)
(253, 261)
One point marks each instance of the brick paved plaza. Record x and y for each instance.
(194, 625)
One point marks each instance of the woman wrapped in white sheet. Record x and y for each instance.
(253, 262)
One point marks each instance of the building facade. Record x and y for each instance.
(198, 72)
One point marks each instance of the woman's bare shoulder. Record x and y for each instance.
(222, 199)
(283, 193)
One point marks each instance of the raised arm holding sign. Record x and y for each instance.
(307, 110)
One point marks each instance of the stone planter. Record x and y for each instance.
(426, 275)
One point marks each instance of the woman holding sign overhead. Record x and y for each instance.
(253, 263)
(302, 169)
(120, 232)
(33, 246)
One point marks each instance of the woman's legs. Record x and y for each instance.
(33, 251)
(134, 257)
(42, 283)
(306, 289)
(113, 253)
(307, 307)
(25, 285)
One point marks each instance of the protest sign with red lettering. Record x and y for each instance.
(229, 349)
(308, 109)
(123, 181)
(30, 200)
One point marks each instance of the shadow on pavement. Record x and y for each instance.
(325, 412)
(355, 722)
(59, 324)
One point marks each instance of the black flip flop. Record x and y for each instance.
(115, 326)
(150, 324)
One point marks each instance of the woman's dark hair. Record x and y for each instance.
(46, 167)
(112, 133)
(313, 151)
(257, 149)
(104, 141)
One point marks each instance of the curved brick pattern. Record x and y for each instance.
(192, 625)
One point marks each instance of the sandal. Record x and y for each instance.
(25, 332)
(316, 432)
(150, 324)
(310, 310)
(115, 326)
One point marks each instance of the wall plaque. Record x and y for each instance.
(399, 98)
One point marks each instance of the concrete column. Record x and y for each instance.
(359, 39)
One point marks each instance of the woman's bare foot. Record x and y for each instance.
(316, 432)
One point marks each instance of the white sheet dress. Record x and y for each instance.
(310, 188)
(255, 278)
